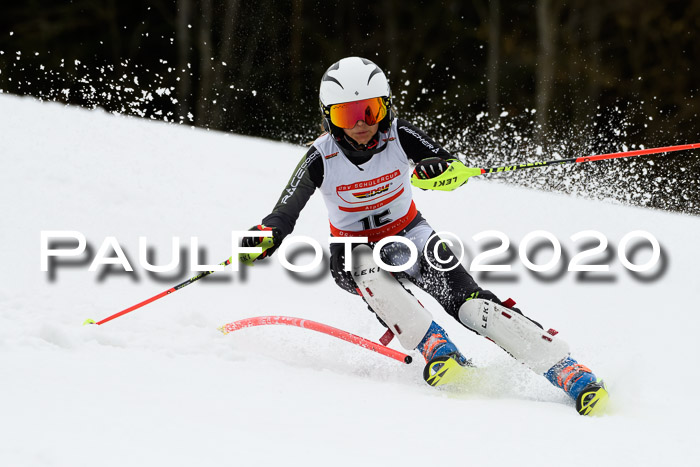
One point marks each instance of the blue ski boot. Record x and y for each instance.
(580, 384)
(444, 362)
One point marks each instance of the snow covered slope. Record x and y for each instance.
(161, 386)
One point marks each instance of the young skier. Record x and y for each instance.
(363, 167)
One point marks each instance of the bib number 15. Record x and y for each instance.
(377, 220)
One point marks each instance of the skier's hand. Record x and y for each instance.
(431, 167)
(268, 244)
(442, 175)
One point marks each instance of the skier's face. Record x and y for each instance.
(361, 132)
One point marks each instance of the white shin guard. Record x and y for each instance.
(514, 333)
(400, 311)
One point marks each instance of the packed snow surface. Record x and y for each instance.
(162, 386)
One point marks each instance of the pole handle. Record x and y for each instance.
(456, 175)
(248, 258)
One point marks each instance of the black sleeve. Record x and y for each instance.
(417, 145)
(307, 176)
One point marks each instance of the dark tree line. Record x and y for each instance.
(596, 75)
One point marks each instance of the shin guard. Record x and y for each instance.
(397, 308)
(514, 333)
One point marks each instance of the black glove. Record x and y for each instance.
(255, 241)
(431, 167)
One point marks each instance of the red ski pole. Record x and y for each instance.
(245, 257)
(314, 326)
(597, 157)
(156, 297)
(457, 173)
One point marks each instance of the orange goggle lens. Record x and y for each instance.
(346, 115)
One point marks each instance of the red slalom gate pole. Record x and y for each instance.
(597, 157)
(314, 326)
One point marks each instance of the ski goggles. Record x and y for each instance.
(347, 114)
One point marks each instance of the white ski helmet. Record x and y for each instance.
(353, 79)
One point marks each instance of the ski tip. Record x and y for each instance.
(444, 370)
(593, 400)
(223, 330)
(88, 321)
